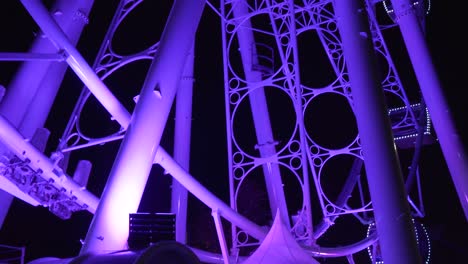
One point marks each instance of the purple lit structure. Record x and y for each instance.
(266, 78)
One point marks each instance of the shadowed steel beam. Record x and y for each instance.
(392, 214)
(260, 115)
(447, 134)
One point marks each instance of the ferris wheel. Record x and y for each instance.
(323, 123)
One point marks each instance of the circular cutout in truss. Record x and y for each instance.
(271, 103)
(343, 183)
(94, 121)
(393, 97)
(330, 121)
(252, 197)
(154, 15)
(316, 70)
(125, 83)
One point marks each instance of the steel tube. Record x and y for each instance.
(447, 134)
(397, 238)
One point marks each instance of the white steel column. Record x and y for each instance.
(76, 61)
(32, 91)
(183, 125)
(392, 214)
(447, 134)
(127, 179)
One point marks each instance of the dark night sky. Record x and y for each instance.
(44, 234)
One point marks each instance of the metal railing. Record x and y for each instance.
(12, 255)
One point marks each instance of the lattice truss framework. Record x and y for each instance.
(275, 80)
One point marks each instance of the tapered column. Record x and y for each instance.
(124, 188)
(33, 89)
(183, 125)
(397, 238)
(447, 134)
